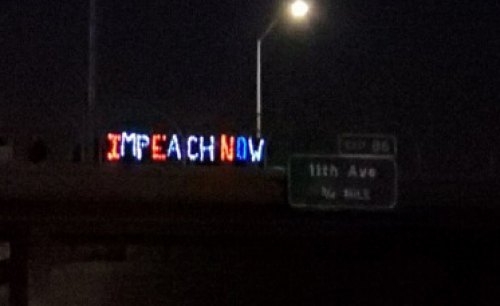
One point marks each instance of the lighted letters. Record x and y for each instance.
(137, 142)
(210, 148)
(142, 141)
(174, 147)
(133, 146)
(241, 149)
(192, 156)
(226, 149)
(256, 154)
(126, 138)
(114, 140)
(156, 148)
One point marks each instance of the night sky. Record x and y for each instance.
(425, 71)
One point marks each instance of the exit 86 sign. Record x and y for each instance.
(326, 182)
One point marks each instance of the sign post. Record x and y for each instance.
(331, 182)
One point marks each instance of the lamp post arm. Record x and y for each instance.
(268, 29)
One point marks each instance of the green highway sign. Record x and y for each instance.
(326, 182)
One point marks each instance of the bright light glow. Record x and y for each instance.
(114, 140)
(210, 148)
(241, 148)
(174, 147)
(299, 9)
(190, 145)
(157, 147)
(257, 153)
(226, 149)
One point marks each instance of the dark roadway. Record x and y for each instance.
(439, 246)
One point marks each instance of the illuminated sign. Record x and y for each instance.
(226, 149)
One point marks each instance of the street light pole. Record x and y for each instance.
(259, 78)
(298, 10)
(88, 144)
(259, 101)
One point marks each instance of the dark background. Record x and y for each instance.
(425, 71)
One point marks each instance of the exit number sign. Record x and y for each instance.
(325, 182)
(367, 144)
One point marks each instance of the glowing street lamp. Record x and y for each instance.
(298, 10)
